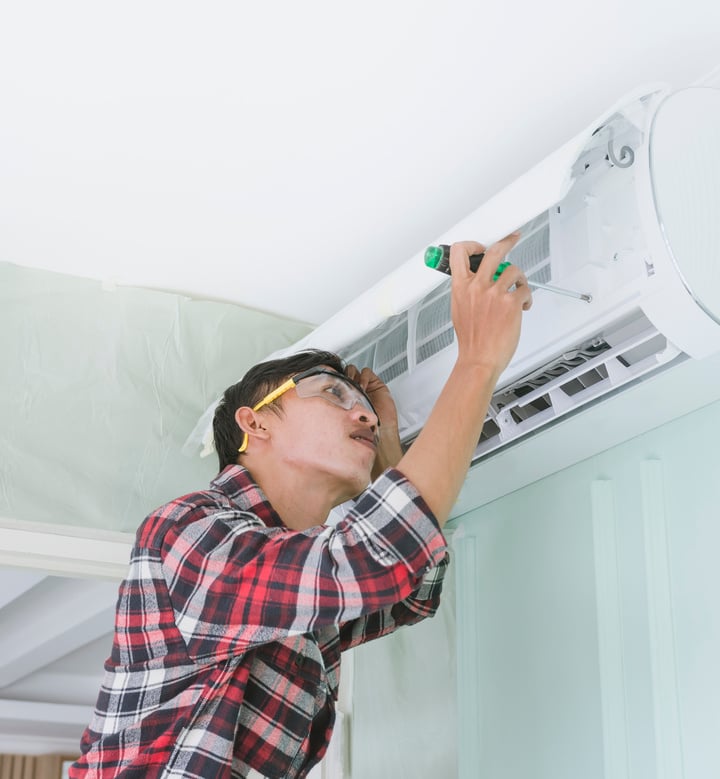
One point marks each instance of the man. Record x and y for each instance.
(240, 599)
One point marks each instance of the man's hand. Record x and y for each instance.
(486, 314)
(389, 448)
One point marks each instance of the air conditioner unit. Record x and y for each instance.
(627, 212)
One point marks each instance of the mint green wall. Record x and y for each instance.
(590, 630)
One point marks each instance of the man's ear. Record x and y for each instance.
(250, 422)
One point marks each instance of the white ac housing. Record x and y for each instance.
(628, 212)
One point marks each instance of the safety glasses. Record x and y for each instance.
(319, 383)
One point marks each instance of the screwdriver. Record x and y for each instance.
(438, 258)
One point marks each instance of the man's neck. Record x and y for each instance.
(301, 500)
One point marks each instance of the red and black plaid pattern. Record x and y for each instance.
(229, 628)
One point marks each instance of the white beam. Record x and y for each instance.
(28, 728)
(66, 550)
(56, 617)
(52, 686)
(13, 583)
(47, 713)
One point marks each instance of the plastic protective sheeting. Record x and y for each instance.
(101, 387)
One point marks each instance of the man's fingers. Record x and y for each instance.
(364, 378)
(511, 275)
(460, 253)
(516, 283)
(353, 373)
(495, 254)
(522, 289)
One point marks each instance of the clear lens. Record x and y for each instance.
(334, 388)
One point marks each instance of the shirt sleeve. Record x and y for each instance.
(234, 583)
(420, 604)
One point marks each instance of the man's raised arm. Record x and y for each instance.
(486, 315)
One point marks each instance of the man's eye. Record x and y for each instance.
(334, 389)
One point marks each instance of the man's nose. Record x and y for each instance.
(361, 412)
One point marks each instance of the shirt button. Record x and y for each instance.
(300, 661)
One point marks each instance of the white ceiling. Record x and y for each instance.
(281, 156)
(286, 155)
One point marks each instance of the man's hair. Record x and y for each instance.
(252, 388)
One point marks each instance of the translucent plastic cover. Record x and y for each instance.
(101, 387)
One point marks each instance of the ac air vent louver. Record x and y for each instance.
(384, 349)
(581, 375)
(532, 253)
(434, 330)
(391, 352)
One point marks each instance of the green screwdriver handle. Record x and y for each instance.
(438, 258)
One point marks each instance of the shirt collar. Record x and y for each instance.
(237, 483)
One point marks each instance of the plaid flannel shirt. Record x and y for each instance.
(229, 628)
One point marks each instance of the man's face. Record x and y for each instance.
(315, 435)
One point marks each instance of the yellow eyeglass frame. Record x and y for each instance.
(274, 395)
(293, 382)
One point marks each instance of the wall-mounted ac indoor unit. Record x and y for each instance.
(627, 212)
